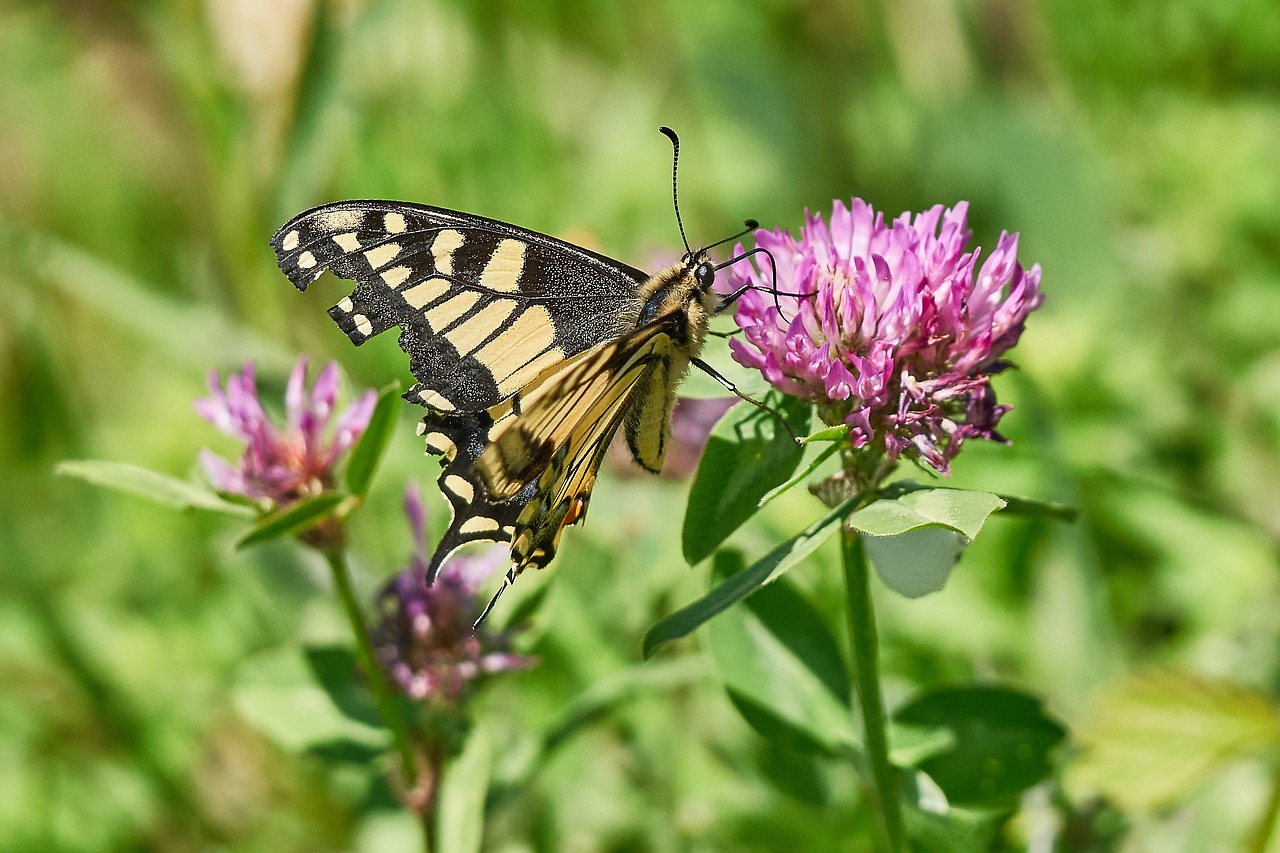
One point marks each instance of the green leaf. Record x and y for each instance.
(915, 540)
(335, 669)
(1015, 505)
(1001, 741)
(152, 485)
(295, 519)
(1157, 736)
(952, 831)
(748, 454)
(368, 452)
(917, 562)
(783, 669)
(958, 509)
(911, 745)
(738, 586)
(279, 694)
(460, 812)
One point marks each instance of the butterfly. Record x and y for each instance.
(530, 353)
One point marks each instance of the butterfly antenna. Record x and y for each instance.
(675, 196)
(750, 224)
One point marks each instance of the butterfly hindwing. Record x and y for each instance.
(459, 439)
(483, 306)
(540, 466)
(563, 432)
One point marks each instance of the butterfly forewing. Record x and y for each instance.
(483, 306)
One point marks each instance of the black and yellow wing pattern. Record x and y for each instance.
(529, 353)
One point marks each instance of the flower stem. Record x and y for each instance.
(862, 627)
(388, 706)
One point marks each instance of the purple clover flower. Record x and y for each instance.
(424, 639)
(894, 333)
(282, 464)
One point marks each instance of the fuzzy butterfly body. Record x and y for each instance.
(530, 353)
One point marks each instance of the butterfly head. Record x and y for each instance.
(698, 264)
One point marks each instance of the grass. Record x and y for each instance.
(148, 151)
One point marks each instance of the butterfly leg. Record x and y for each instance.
(723, 380)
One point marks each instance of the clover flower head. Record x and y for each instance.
(282, 464)
(425, 639)
(891, 328)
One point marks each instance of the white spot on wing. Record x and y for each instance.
(340, 220)
(291, 240)
(396, 276)
(306, 260)
(347, 242)
(345, 305)
(442, 249)
(443, 315)
(479, 524)
(393, 222)
(435, 400)
(530, 334)
(460, 487)
(363, 326)
(502, 272)
(380, 256)
(425, 293)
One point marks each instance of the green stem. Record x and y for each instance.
(388, 705)
(1261, 837)
(862, 627)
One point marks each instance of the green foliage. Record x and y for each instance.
(1000, 741)
(915, 540)
(460, 818)
(749, 453)
(783, 668)
(152, 485)
(158, 145)
(741, 584)
(293, 519)
(373, 442)
(1161, 734)
(298, 699)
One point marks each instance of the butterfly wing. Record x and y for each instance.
(459, 440)
(546, 460)
(483, 307)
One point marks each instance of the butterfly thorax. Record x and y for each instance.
(682, 295)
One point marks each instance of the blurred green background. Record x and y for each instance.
(148, 150)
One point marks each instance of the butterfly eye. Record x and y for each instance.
(705, 274)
